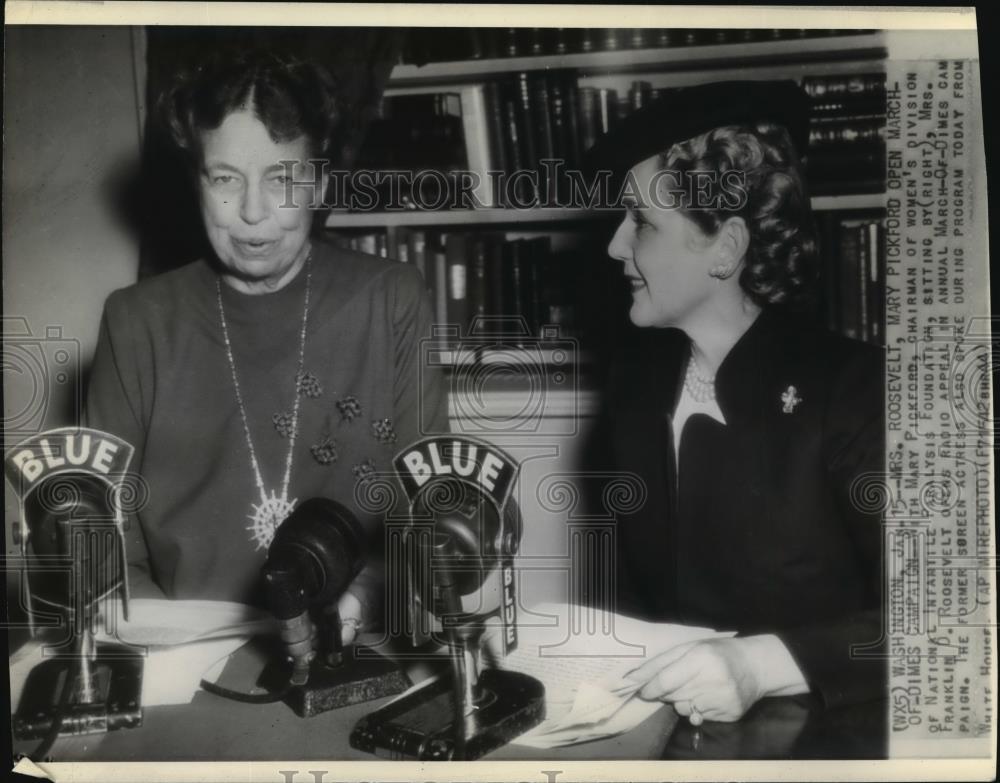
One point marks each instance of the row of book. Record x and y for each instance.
(512, 124)
(846, 152)
(472, 276)
(483, 274)
(478, 43)
(852, 275)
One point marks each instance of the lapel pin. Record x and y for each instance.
(790, 399)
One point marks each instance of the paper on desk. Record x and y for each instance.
(26, 766)
(179, 641)
(627, 716)
(173, 675)
(587, 695)
(161, 622)
(170, 675)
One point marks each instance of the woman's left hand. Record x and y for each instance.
(720, 679)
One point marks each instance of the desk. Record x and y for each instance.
(215, 729)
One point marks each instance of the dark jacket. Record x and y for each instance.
(767, 528)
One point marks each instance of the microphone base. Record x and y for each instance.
(116, 685)
(364, 675)
(421, 726)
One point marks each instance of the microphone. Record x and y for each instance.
(468, 542)
(316, 553)
(70, 483)
(466, 529)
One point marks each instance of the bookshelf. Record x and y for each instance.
(515, 217)
(867, 47)
(841, 214)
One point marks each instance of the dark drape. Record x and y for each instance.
(165, 205)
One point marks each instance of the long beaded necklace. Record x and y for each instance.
(700, 387)
(273, 508)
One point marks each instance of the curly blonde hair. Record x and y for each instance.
(780, 262)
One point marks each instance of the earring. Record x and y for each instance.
(721, 271)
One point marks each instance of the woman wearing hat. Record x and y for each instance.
(752, 431)
(278, 367)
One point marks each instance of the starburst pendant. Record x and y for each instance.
(267, 516)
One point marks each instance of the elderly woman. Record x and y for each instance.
(276, 369)
(749, 427)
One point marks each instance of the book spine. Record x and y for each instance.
(638, 95)
(475, 43)
(538, 251)
(514, 278)
(511, 42)
(496, 278)
(527, 152)
(492, 43)
(665, 37)
(402, 246)
(864, 326)
(541, 112)
(588, 112)
(639, 37)
(495, 119)
(847, 107)
(829, 283)
(858, 84)
(607, 109)
(440, 288)
(623, 107)
(611, 41)
(515, 150)
(861, 132)
(692, 36)
(572, 93)
(478, 282)
(457, 282)
(875, 281)
(560, 135)
(368, 244)
(844, 163)
(849, 272)
(417, 252)
(475, 128)
(560, 41)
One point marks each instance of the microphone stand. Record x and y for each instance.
(461, 638)
(487, 711)
(310, 563)
(101, 683)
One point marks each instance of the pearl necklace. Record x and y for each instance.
(700, 387)
(273, 509)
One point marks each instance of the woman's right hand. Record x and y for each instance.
(349, 608)
(491, 644)
(720, 679)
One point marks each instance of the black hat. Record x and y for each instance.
(685, 112)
